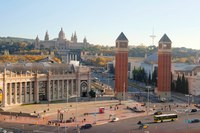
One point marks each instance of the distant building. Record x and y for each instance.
(191, 73)
(24, 83)
(67, 49)
(121, 66)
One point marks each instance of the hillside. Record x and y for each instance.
(16, 39)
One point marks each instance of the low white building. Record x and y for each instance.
(192, 73)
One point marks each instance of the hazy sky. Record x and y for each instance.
(101, 21)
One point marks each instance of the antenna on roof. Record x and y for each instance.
(152, 36)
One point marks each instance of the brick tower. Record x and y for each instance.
(121, 67)
(164, 68)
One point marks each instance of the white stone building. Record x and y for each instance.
(24, 83)
(63, 46)
(192, 73)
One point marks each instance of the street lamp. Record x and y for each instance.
(189, 95)
(188, 108)
(66, 119)
(148, 87)
(78, 131)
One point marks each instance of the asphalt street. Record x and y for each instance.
(130, 126)
(122, 126)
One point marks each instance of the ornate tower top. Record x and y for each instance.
(121, 37)
(75, 37)
(46, 38)
(61, 35)
(37, 39)
(122, 43)
(72, 37)
(165, 42)
(84, 40)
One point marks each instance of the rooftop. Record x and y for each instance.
(165, 39)
(122, 37)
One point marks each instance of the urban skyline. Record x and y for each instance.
(101, 22)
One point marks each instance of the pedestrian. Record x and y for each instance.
(84, 119)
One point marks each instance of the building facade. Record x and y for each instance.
(36, 82)
(164, 68)
(67, 49)
(191, 73)
(121, 67)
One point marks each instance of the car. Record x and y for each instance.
(197, 105)
(86, 126)
(158, 113)
(135, 109)
(193, 110)
(194, 121)
(144, 104)
(114, 119)
(163, 100)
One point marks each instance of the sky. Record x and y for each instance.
(101, 21)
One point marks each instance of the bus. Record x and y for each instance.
(165, 117)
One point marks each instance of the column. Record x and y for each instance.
(53, 89)
(48, 89)
(89, 82)
(20, 92)
(62, 89)
(15, 94)
(67, 90)
(30, 91)
(78, 85)
(10, 94)
(36, 91)
(25, 92)
(67, 58)
(58, 89)
(4, 96)
(76, 57)
(72, 89)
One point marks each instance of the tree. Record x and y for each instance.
(178, 84)
(186, 86)
(183, 87)
(149, 78)
(154, 77)
(92, 93)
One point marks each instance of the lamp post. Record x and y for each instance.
(66, 120)
(188, 109)
(148, 87)
(188, 99)
(78, 131)
(124, 92)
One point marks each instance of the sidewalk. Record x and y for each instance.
(91, 108)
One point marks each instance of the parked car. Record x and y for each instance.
(194, 121)
(144, 104)
(86, 126)
(135, 109)
(193, 110)
(197, 105)
(114, 119)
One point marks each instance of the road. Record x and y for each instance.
(130, 126)
(122, 126)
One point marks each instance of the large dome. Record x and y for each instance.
(61, 34)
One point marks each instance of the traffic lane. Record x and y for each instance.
(130, 125)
